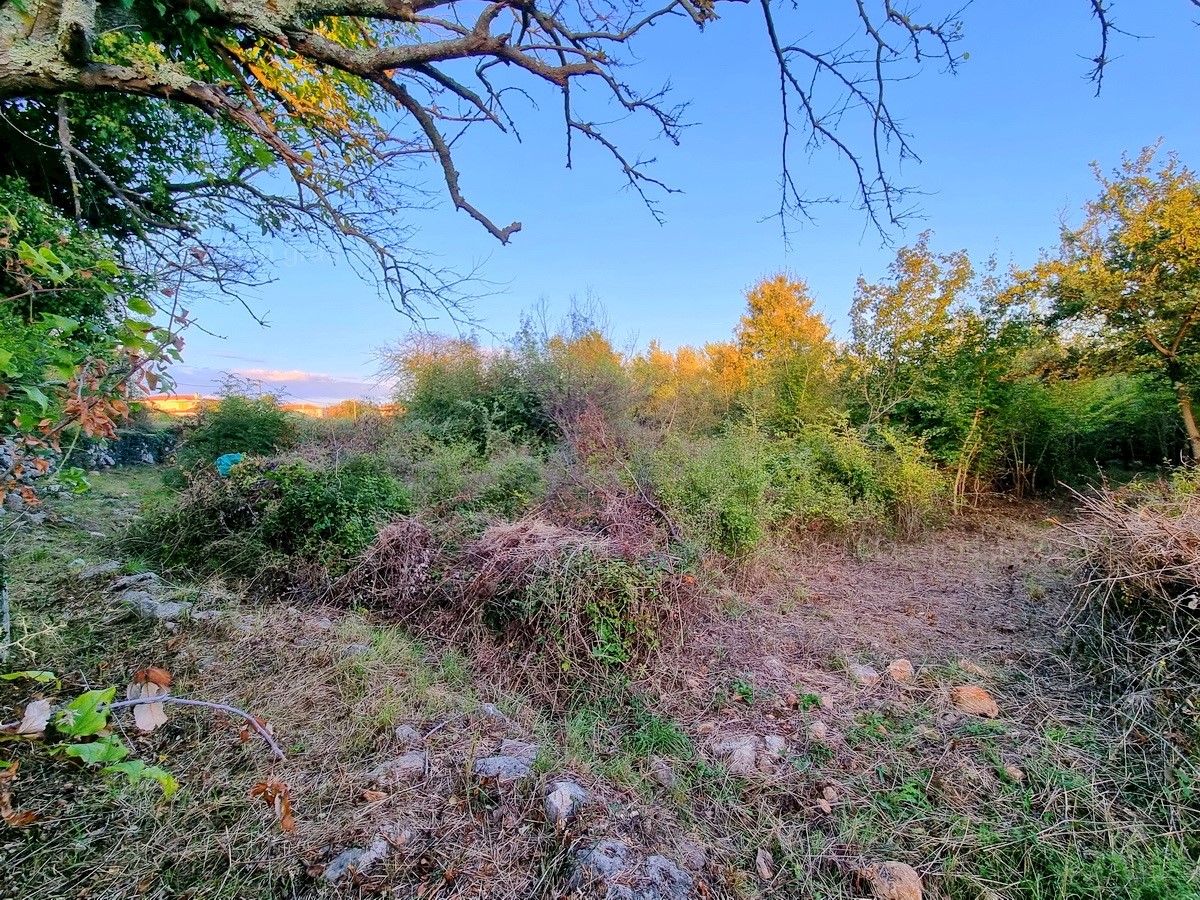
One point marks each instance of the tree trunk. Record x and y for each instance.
(1184, 396)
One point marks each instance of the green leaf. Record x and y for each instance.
(5, 358)
(140, 306)
(107, 750)
(137, 771)
(83, 716)
(38, 675)
(35, 394)
(62, 323)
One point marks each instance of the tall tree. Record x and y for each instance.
(788, 351)
(899, 326)
(1129, 275)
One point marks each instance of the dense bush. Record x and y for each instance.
(254, 426)
(267, 513)
(732, 489)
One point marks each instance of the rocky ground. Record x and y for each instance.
(839, 724)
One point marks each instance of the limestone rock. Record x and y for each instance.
(521, 750)
(563, 799)
(147, 605)
(972, 699)
(406, 736)
(863, 674)
(664, 881)
(502, 769)
(901, 670)
(739, 752)
(408, 767)
(661, 772)
(818, 731)
(893, 881)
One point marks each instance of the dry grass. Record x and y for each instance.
(1136, 622)
(397, 573)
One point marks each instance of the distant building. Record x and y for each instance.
(177, 405)
(312, 410)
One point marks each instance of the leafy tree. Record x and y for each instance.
(788, 353)
(900, 327)
(1129, 276)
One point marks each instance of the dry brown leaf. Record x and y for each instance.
(893, 881)
(7, 812)
(764, 862)
(34, 721)
(153, 675)
(278, 796)
(374, 796)
(970, 698)
(148, 716)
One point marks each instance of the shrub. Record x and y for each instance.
(267, 513)
(456, 480)
(564, 602)
(718, 488)
(255, 426)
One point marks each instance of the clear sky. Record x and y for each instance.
(1005, 145)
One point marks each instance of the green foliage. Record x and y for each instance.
(254, 426)
(456, 479)
(268, 511)
(456, 393)
(580, 612)
(719, 488)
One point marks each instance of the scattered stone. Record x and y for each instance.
(147, 605)
(143, 580)
(358, 860)
(829, 792)
(774, 667)
(863, 674)
(491, 712)
(502, 769)
(901, 670)
(1015, 775)
(352, 651)
(665, 881)
(975, 700)
(342, 864)
(408, 767)
(776, 744)
(602, 862)
(35, 518)
(661, 771)
(407, 736)
(824, 805)
(14, 501)
(739, 752)
(707, 728)
(104, 568)
(207, 615)
(563, 799)
(893, 881)
(764, 864)
(521, 750)
(97, 534)
(77, 563)
(321, 623)
(818, 731)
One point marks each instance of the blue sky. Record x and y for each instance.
(1005, 144)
